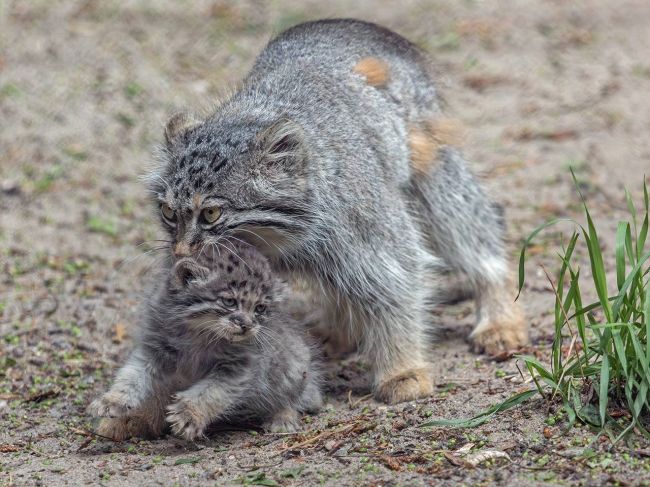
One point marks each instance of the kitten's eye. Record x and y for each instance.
(229, 302)
(260, 308)
(212, 214)
(167, 212)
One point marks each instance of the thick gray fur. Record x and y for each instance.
(311, 164)
(199, 358)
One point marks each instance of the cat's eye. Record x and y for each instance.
(212, 214)
(167, 212)
(229, 302)
(260, 308)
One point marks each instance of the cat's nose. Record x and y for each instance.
(182, 249)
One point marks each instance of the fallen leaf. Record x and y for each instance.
(391, 462)
(9, 448)
(618, 413)
(480, 82)
(502, 356)
(42, 395)
(464, 449)
(85, 443)
(480, 457)
(454, 460)
(119, 333)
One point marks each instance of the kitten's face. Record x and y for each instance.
(225, 298)
(227, 182)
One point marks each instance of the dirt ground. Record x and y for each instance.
(85, 87)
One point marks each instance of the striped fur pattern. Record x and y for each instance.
(214, 346)
(312, 164)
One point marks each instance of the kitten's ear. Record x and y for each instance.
(178, 125)
(187, 270)
(283, 142)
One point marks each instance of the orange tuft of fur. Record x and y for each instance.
(425, 141)
(424, 150)
(376, 71)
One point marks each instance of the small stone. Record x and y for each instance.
(10, 187)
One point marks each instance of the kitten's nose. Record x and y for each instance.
(242, 322)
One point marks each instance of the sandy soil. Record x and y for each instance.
(84, 90)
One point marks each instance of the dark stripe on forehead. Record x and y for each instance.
(264, 223)
(285, 210)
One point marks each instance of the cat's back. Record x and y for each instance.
(342, 55)
(336, 42)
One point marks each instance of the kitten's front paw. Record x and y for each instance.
(120, 429)
(286, 421)
(113, 404)
(186, 420)
(406, 386)
(116, 429)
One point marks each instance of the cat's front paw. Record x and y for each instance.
(285, 421)
(503, 334)
(113, 404)
(186, 419)
(405, 386)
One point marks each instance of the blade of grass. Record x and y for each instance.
(621, 232)
(484, 416)
(522, 255)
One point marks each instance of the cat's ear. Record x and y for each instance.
(283, 143)
(178, 125)
(187, 270)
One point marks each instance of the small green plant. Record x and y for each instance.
(600, 358)
(600, 350)
(100, 225)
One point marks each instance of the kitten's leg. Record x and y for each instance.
(134, 405)
(195, 408)
(132, 386)
(466, 230)
(147, 421)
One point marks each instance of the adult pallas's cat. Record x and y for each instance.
(333, 159)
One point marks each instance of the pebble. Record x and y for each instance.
(10, 187)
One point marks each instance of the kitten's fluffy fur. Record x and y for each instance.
(214, 346)
(331, 160)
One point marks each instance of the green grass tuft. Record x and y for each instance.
(600, 359)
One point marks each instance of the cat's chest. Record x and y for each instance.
(195, 363)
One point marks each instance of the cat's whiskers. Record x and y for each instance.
(134, 258)
(268, 336)
(265, 241)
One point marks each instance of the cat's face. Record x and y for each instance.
(226, 297)
(226, 182)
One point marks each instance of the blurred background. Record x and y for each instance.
(86, 87)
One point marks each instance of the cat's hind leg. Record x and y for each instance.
(466, 230)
